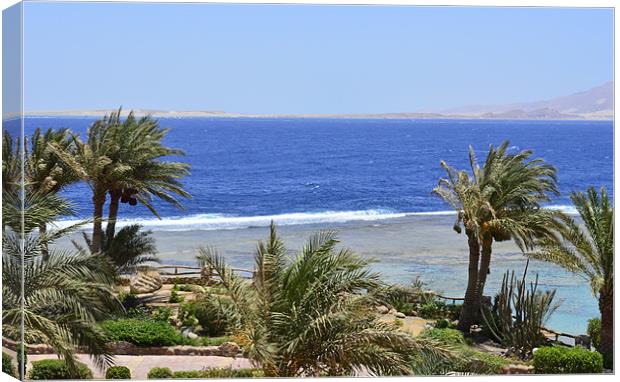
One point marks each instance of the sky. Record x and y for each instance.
(280, 59)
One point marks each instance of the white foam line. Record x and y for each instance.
(220, 221)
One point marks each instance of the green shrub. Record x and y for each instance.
(211, 312)
(174, 297)
(565, 360)
(442, 324)
(57, 369)
(465, 359)
(118, 372)
(594, 331)
(446, 336)
(161, 313)
(218, 373)
(185, 288)
(159, 373)
(142, 333)
(7, 365)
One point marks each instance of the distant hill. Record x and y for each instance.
(592, 103)
(595, 103)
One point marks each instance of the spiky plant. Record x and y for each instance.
(311, 315)
(587, 250)
(11, 163)
(129, 249)
(496, 202)
(519, 314)
(62, 297)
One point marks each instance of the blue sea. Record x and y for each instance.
(369, 178)
(314, 169)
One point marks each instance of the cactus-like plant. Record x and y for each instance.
(519, 313)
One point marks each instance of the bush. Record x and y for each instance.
(465, 359)
(218, 373)
(594, 331)
(159, 373)
(7, 365)
(142, 333)
(211, 312)
(442, 324)
(174, 297)
(57, 369)
(565, 360)
(118, 372)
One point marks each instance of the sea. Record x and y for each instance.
(369, 179)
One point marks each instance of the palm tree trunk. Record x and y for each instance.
(471, 304)
(98, 202)
(606, 306)
(115, 197)
(44, 249)
(485, 263)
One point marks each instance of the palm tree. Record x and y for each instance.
(140, 142)
(310, 316)
(58, 301)
(43, 170)
(496, 202)
(123, 158)
(11, 163)
(588, 250)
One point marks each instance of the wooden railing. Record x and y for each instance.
(186, 270)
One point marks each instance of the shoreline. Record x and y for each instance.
(403, 248)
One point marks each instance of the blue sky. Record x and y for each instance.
(307, 59)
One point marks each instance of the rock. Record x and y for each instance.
(455, 323)
(145, 282)
(187, 332)
(392, 311)
(382, 309)
(229, 349)
(400, 315)
(123, 348)
(413, 313)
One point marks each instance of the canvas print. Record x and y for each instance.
(281, 190)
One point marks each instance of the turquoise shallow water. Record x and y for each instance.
(403, 248)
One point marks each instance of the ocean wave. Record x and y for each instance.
(220, 221)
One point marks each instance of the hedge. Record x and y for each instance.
(565, 360)
(164, 373)
(118, 372)
(159, 373)
(142, 333)
(57, 369)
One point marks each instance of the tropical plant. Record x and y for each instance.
(519, 314)
(59, 300)
(310, 316)
(588, 250)
(496, 202)
(123, 158)
(11, 164)
(44, 171)
(129, 249)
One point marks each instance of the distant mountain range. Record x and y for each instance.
(595, 103)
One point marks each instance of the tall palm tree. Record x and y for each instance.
(43, 170)
(310, 316)
(496, 202)
(61, 298)
(123, 158)
(141, 148)
(588, 250)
